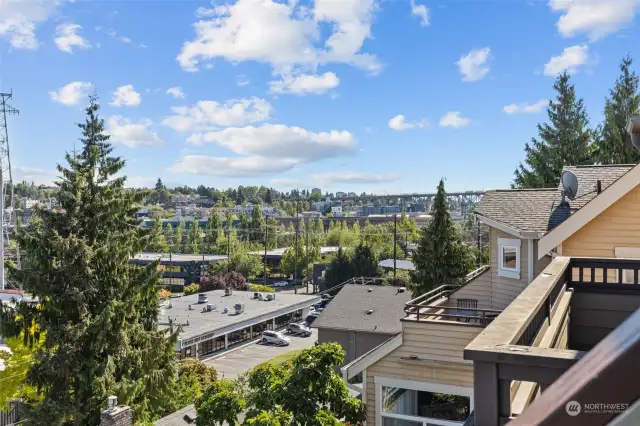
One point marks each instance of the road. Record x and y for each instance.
(238, 361)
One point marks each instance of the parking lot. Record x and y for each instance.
(235, 362)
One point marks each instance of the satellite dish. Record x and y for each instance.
(570, 184)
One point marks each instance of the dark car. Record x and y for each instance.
(300, 329)
(310, 319)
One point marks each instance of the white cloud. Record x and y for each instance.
(525, 107)
(453, 119)
(473, 66)
(124, 39)
(596, 18)
(67, 37)
(355, 177)
(35, 175)
(570, 60)
(399, 123)
(278, 141)
(420, 11)
(176, 92)
(71, 93)
(206, 115)
(282, 34)
(126, 96)
(242, 80)
(231, 166)
(132, 134)
(19, 19)
(306, 83)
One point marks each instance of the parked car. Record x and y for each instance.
(311, 318)
(300, 329)
(281, 284)
(326, 296)
(275, 337)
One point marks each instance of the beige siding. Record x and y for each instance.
(479, 288)
(619, 225)
(504, 290)
(430, 340)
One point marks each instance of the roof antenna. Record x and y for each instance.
(569, 185)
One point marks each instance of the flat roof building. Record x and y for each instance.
(216, 320)
(179, 269)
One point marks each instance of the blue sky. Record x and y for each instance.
(351, 95)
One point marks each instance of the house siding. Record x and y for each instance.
(505, 290)
(479, 288)
(619, 225)
(430, 340)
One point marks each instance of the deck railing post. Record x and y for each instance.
(486, 393)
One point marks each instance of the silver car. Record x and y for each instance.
(275, 337)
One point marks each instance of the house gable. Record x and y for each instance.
(625, 184)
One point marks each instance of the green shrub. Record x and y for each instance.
(191, 289)
(261, 288)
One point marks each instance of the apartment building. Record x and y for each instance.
(519, 299)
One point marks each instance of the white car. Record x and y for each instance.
(299, 329)
(281, 284)
(275, 338)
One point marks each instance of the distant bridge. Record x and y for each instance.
(466, 197)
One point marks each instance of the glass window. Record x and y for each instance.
(509, 258)
(387, 421)
(432, 405)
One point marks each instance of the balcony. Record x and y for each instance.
(442, 305)
(564, 313)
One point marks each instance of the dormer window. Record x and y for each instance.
(509, 258)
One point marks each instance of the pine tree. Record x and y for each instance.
(612, 145)
(441, 257)
(243, 227)
(180, 239)
(170, 236)
(158, 243)
(338, 271)
(364, 262)
(96, 313)
(195, 237)
(256, 224)
(214, 224)
(563, 141)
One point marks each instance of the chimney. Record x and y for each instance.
(116, 415)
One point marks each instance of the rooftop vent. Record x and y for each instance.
(228, 291)
(369, 290)
(598, 186)
(401, 289)
(239, 307)
(256, 295)
(202, 298)
(112, 401)
(370, 311)
(270, 296)
(209, 307)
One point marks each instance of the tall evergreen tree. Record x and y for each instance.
(195, 237)
(563, 141)
(96, 312)
(612, 145)
(441, 257)
(338, 271)
(243, 227)
(256, 224)
(170, 237)
(214, 225)
(364, 262)
(180, 239)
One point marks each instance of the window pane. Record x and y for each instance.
(386, 421)
(425, 404)
(509, 255)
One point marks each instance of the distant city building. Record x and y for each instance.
(316, 190)
(183, 198)
(370, 210)
(341, 194)
(352, 194)
(391, 209)
(28, 203)
(267, 211)
(319, 206)
(336, 210)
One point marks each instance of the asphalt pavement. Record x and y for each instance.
(240, 360)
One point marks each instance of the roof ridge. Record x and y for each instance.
(586, 166)
(523, 190)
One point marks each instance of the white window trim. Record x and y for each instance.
(419, 386)
(508, 272)
(628, 253)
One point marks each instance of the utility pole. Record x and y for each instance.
(395, 245)
(295, 274)
(478, 237)
(6, 221)
(228, 248)
(306, 230)
(266, 234)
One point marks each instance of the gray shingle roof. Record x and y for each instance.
(541, 210)
(348, 310)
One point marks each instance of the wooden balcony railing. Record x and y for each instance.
(528, 342)
(432, 305)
